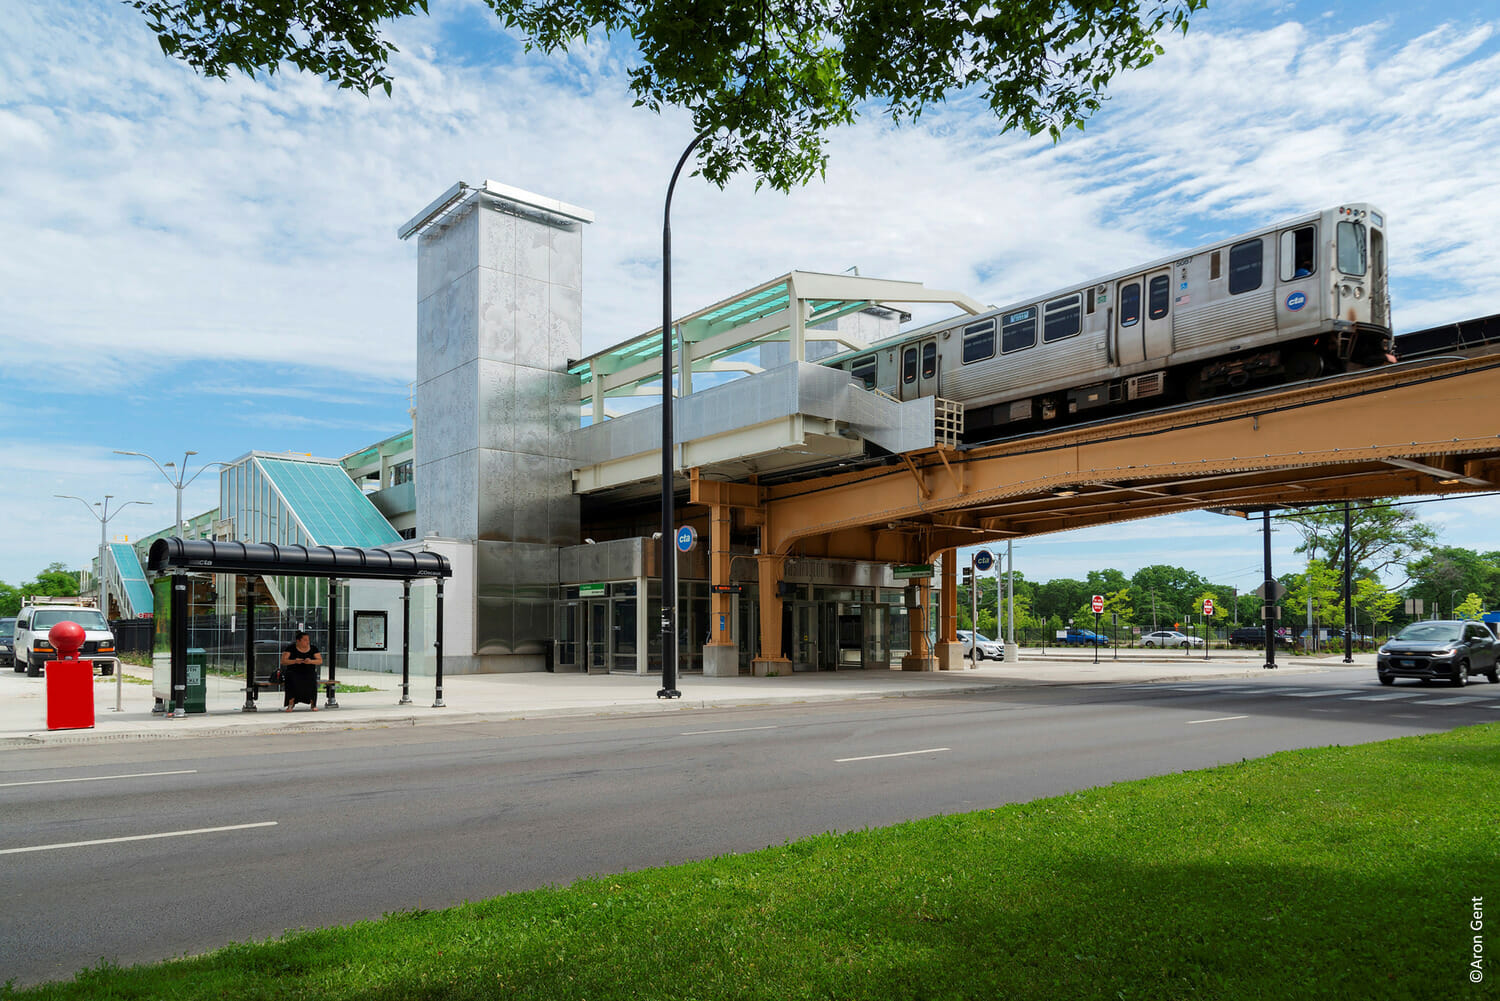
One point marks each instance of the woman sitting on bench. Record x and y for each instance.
(299, 671)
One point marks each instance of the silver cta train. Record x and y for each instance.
(1282, 303)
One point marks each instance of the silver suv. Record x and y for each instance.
(33, 648)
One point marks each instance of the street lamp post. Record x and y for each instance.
(181, 482)
(668, 515)
(102, 516)
(1453, 603)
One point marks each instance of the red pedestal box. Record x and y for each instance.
(70, 694)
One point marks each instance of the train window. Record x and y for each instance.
(1090, 307)
(1130, 304)
(1298, 259)
(863, 369)
(1214, 269)
(909, 365)
(1244, 266)
(929, 360)
(1060, 318)
(1352, 248)
(979, 341)
(1157, 297)
(1018, 330)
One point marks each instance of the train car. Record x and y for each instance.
(1287, 302)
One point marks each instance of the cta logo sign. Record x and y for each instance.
(1296, 301)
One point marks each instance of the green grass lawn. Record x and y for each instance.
(1343, 872)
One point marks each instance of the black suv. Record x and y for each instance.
(1255, 636)
(1446, 649)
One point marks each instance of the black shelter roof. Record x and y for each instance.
(271, 560)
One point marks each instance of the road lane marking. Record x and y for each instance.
(897, 754)
(135, 837)
(1457, 700)
(99, 778)
(1385, 696)
(737, 729)
(1320, 692)
(1216, 719)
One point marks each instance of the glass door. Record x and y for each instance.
(597, 636)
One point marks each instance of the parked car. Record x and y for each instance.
(1440, 648)
(1170, 638)
(7, 641)
(1083, 637)
(988, 649)
(38, 615)
(1255, 636)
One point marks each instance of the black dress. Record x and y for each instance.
(300, 681)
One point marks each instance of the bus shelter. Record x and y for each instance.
(179, 557)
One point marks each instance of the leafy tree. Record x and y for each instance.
(55, 581)
(1472, 607)
(1061, 597)
(1447, 569)
(1381, 536)
(1320, 583)
(1373, 602)
(763, 81)
(1164, 594)
(10, 600)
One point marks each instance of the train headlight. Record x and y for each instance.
(1359, 292)
(1345, 289)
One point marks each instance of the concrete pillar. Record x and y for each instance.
(499, 314)
(949, 651)
(768, 658)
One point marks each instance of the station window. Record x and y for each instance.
(1244, 266)
(979, 341)
(929, 360)
(1018, 330)
(401, 473)
(863, 369)
(1158, 295)
(1061, 318)
(1130, 304)
(1298, 259)
(1352, 248)
(909, 365)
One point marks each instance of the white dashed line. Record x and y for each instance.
(98, 778)
(135, 837)
(897, 754)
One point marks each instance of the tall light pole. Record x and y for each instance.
(182, 480)
(102, 516)
(668, 515)
(1452, 603)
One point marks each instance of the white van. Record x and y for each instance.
(39, 614)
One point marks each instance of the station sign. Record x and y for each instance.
(726, 588)
(1097, 603)
(983, 560)
(911, 571)
(687, 538)
(585, 590)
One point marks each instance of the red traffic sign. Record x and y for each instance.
(1098, 604)
(1208, 607)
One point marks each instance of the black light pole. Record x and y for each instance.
(668, 515)
(1348, 605)
(1268, 604)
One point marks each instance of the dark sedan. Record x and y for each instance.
(1446, 650)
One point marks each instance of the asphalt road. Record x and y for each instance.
(176, 847)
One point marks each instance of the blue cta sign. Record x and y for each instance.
(983, 560)
(687, 538)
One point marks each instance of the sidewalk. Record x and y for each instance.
(496, 697)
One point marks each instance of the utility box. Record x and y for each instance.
(70, 694)
(195, 697)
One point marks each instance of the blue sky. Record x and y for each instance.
(208, 265)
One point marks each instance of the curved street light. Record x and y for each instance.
(103, 515)
(181, 482)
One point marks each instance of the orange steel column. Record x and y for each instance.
(949, 652)
(720, 655)
(919, 656)
(769, 658)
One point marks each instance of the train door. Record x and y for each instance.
(1156, 324)
(919, 369)
(1130, 339)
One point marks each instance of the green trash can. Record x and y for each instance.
(195, 698)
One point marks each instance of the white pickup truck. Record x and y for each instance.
(39, 614)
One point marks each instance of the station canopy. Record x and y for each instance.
(272, 560)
